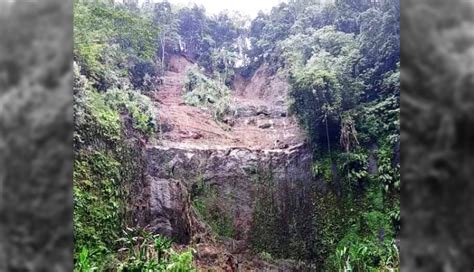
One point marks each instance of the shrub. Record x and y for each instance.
(93, 118)
(181, 262)
(148, 252)
(106, 118)
(137, 105)
(201, 91)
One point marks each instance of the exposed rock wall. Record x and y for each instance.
(172, 172)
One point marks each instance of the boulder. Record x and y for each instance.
(169, 208)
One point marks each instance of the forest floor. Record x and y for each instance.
(258, 119)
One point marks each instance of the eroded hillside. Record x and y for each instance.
(258, 116)
(204, 178)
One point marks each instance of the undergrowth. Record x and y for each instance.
(137, 105)
(202, 91)
(140, 251)
(367, 231)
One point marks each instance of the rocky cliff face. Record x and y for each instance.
(174, 173)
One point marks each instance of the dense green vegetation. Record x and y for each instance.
(343, 62)
(344, 65)
(114, 52)
(215, 42)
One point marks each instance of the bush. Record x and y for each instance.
(201, 91)
(93, 119)
(147, 252)
(137, 105)
(365, 255)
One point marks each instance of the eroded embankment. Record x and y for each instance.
(203, 180)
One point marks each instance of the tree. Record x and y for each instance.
(194, 29)
(109, 38)
(223, 62)
(166, 20)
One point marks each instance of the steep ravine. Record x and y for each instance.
(197, 161)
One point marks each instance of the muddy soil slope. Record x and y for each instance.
(258, 114)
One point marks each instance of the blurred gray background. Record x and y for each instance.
(437, 123)
(36, 130)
